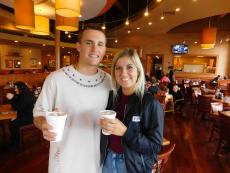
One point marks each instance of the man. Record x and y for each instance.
(81, 91)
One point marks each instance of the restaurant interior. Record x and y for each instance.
(190, 38)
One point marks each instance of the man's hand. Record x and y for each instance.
(41, 123)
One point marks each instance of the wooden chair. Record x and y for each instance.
(224, 132)
(162, 158)
(203, 105)
(161, 99)
(29, 134)
(216, 121)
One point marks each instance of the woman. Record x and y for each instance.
(23, 102)
(137, 131)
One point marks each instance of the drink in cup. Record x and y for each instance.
(57, 121)
(107, 114)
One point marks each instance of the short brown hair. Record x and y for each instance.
(81, 31)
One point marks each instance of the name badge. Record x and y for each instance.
(136, 118)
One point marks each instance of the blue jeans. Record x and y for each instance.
(114, 163)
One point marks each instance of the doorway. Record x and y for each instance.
(154, 65)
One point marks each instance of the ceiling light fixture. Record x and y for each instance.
(127, 19)
(67, 23)
(42, 25)
(162, 17)
(208, 37)
(146, 10)
(103, 27)
(24, 14)
(177, 9)
(67, 8)
(150, 23)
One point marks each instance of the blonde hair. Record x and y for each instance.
(140, 83)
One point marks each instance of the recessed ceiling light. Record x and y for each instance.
(116, 41)
(150, 23)
(227, 39)
(162, 17)
(43, 44)
(177, 9)
(194, 0)
(138, 28)
(195, 42)
(16, 41)
(129, 31)
(159, 0)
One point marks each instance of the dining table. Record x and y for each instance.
(227, 113)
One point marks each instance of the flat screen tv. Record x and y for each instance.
(179, 49)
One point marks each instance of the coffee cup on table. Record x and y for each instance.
(57, 121)
(110, 114)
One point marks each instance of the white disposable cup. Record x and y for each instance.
(110, 114)
(57, 121)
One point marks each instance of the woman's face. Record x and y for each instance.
(16, 89)
(126, 74)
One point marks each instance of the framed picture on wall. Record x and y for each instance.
(9, 63)
(52, 63)
(33, 63)
(17, 64)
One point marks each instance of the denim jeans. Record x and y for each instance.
(114, 163)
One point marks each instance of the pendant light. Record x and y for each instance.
(67, 8)
(67, 23)
(24, 14)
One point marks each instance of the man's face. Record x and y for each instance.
(91, 47)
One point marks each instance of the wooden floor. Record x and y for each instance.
(193, 152)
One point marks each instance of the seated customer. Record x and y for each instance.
(214, 80)
(23, 102)
(177, 97)
(165, 79)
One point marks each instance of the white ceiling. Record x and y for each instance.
(190, 10)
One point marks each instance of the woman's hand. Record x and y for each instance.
(9, 96)
(113, 126)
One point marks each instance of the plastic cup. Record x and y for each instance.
(57, 121)
(107, 114)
